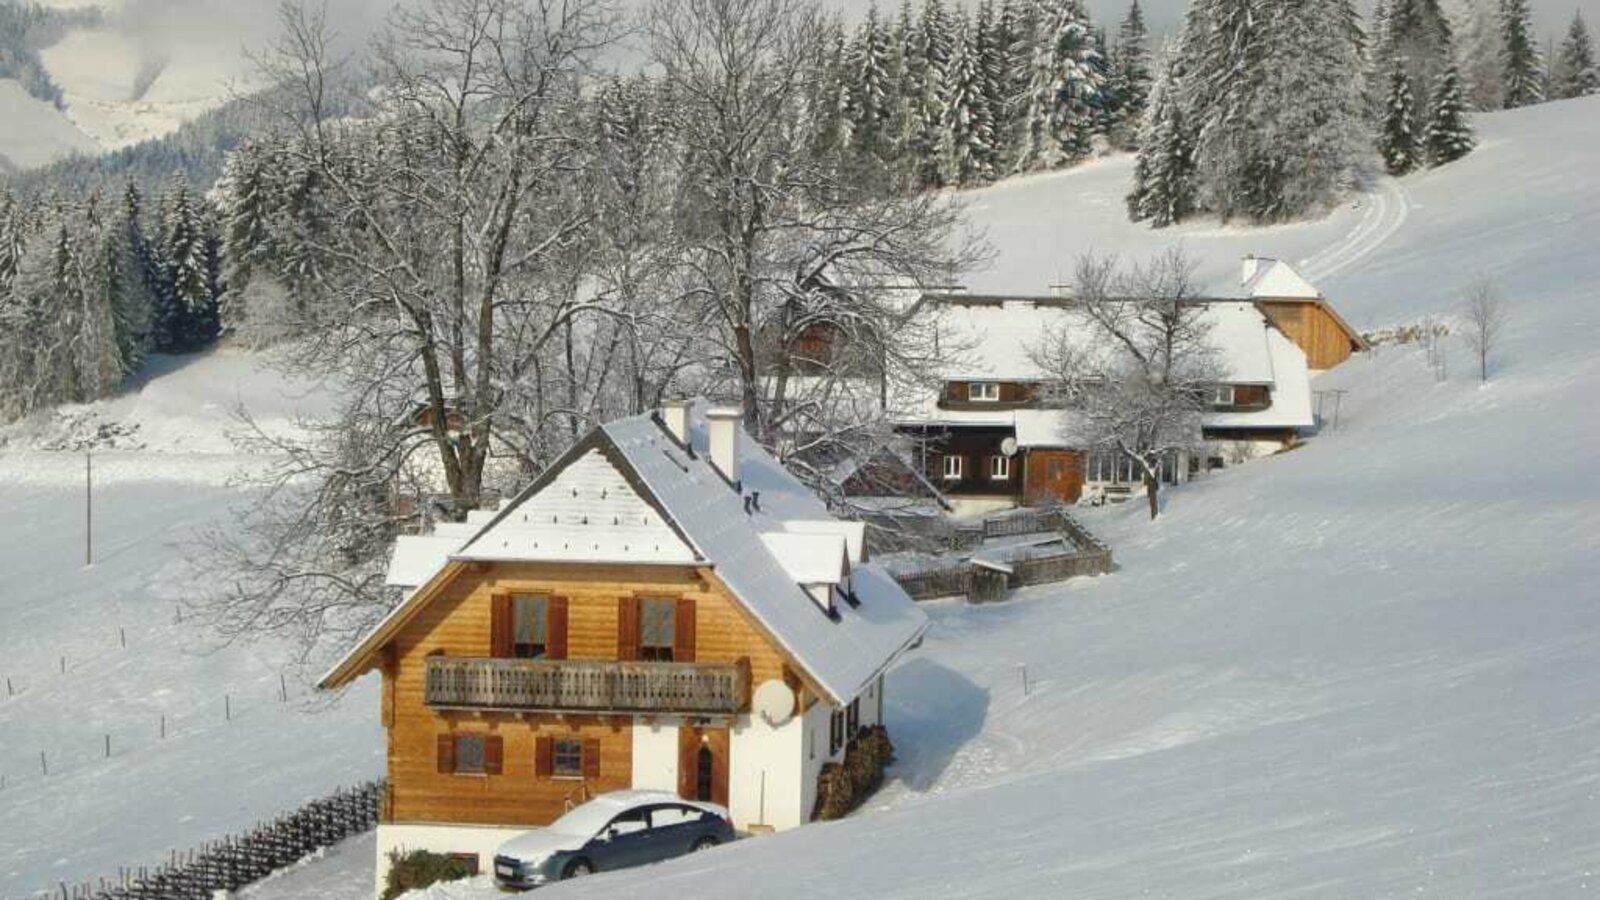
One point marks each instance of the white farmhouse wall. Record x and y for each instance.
(655, 753)
(483, 840)
(765, 772)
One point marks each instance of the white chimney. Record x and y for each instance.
(724, 425)
(675, 415)
(1251, 266)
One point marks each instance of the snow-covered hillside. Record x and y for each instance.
(66, 681)
(1365, 668)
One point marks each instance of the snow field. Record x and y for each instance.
(1363, 668)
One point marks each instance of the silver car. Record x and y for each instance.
(612, 831)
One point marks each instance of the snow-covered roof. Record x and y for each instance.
(993, 337)
(416, 558)
(633, 468)
(1291, 392)
(1264, 279)
(1238, 331)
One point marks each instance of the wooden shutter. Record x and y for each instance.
(688, 762)
(447, 754)
(494, 754)
(591, 758)
(627, 629)
(502, 626)
(683, 632)
(555, 629)
(544, 757)
(719, 768)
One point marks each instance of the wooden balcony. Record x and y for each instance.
(587, 686)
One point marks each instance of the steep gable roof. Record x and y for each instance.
(840, 654)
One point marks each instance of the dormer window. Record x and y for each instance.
(1222, 395)
(983, 392)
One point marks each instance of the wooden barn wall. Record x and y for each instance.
(456, 623)
(1312, 329)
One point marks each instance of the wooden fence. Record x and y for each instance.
(1083, 554)
(233, 862)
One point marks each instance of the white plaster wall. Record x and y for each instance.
(814, 753)
(759, 751)
(483, 840)
(655, 753)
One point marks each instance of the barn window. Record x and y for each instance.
(567, 758)
(1222, 395)
(657, 629)
(999, 468)
(532, 627)
(952, 468)
(469, 754)
(984, 391)
(853, 717)
(836, 732)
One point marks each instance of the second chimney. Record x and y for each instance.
(724, 425)
(675, 416)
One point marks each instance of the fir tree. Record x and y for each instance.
(1519, 58)
(1063, 81)
(1449, 133)
(1164, 174)
(1223, 54)
(1398, 143)
(872, 91)
(932, 52)
(186, 306)
(1130, 76)
(967, 139)
(244, 220)
(1575, 74)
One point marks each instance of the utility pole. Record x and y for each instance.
(88, 507)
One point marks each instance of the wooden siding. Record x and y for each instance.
(1052, 475)
(976, 448)
(457, 623)
(1313, 329)
(1013, 395)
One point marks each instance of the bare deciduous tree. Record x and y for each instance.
(1133, 365)
(1485, 315)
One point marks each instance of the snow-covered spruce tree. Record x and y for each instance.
(1575, 73)
(245, 211)
(932, 50)
(1131, 77)
(1477, 39)
(1164, 174)
(1138, 384)
(832, 128)
(98, 351)
(872, 88)
(1222, 53)
(186, 318)
(1418, 33)
(1398, 144)
(1522, 81)
(966, 143)
(1449, 133)
(1056, 112)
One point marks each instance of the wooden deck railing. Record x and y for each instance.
(587, 686)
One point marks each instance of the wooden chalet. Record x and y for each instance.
(664, 608)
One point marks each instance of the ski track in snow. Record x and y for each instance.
(1388, 207)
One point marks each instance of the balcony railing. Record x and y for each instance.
(587, 686)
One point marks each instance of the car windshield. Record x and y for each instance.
(585, 821)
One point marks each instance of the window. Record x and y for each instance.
(1222, 395)
(657, 629)
(532, 623)
(469, 755)
(566, 758)
(836, 732)
(952, 468)
(853, 717)
(999, 468)
(983, 391)
(668, 816)
(633, 821)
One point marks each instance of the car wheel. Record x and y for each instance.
(705, 843)
(577, 869)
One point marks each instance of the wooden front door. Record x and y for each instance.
(703, 764)
(1053, 476)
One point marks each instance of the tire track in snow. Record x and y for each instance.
(1388, 207)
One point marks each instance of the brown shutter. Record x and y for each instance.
(683, 632)
(555, 630)
(591, 758)
(627, 628)
(719, 768)
(447, 754)
(688, 746)
(502, 626)
(544, 757)
(494, 755)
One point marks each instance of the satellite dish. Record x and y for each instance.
(774, 702)
(1009, 446)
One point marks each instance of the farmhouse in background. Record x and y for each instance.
(989, 440)
(664, 608)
